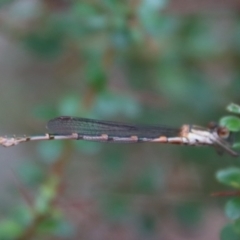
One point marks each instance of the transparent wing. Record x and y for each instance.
(89, 127)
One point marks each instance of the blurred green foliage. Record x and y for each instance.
(118, 60)
(229, 233)
(231, 177)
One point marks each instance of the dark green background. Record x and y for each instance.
(154, 62)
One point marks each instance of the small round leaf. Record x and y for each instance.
(234, 108)
(232, 208)
(230, 177)
(231, 122)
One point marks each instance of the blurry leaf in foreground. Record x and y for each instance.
(23, 214)
(230, 177)
(233, 208)
(47, 194)
(9, 229)
(237, 226)
(231, 122)
(96, 77)
(56, 226)
(47, 44)
(234, 108)
(229, 233)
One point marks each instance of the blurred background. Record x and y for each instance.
(138, 61)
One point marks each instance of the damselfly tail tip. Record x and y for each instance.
(7, 142)
(234, 154)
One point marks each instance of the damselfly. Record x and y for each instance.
(106, 131)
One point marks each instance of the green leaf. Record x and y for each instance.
(234, 108)
(48, 226)
(46, 195)
(23, 215)
(96, 76)
(236, 145)
(57, 226)
(44, 44)
(9, 229)
(229, 233)
(231, 122)
(232, 208)
(236, 226)
(230, 177)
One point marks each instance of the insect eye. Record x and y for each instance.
(223, 132)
